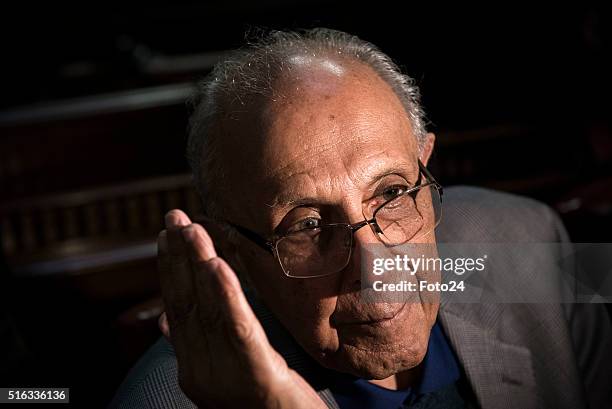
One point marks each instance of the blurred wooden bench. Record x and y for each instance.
(78, 232)
(84, 266)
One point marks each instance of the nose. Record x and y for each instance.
(352, 274)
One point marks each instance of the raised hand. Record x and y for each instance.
(224, 357)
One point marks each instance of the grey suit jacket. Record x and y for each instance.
(537, 355)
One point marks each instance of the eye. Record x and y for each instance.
(393, 191)
(307, 223)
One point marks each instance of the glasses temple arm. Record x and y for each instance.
(254, 237)
(430, 177)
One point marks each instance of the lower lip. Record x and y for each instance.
(380, 323)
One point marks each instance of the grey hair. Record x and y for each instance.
(252, 71)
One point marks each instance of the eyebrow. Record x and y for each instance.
(283, 201)
(289, 199)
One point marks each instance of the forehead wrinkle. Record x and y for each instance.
(362, 169)
(286, 197)
(355, 136)
(322, 141)
(313, 152)
(361, 180)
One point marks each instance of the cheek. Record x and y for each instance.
(303, 306)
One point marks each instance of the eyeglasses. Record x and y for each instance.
(323, 250)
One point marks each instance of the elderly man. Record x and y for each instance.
(306, 148)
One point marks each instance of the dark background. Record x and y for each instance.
(92, 133)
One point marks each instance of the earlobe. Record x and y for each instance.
(427, 148)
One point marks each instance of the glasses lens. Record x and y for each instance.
(409, 217)
(315, 252)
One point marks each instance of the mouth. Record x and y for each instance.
(376, 322)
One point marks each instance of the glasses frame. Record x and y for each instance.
(271, 245)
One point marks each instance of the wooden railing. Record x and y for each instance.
(71, 232)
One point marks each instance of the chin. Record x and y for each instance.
(377, 362)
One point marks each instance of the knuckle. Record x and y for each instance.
(211, 265)
(202, 267)
(228, 294)
(243, 332)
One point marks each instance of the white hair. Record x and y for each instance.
(252, 71)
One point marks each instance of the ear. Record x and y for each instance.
(428, 147)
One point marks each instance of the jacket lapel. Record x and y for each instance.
(500, 374)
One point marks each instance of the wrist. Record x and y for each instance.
(296, 393)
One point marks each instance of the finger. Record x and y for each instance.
(177, 285)
(175, 221)
(226, 315)
(200, 250)
(199, 245)
(162, 323)
(176, 278)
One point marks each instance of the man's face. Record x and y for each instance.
(333, 138)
